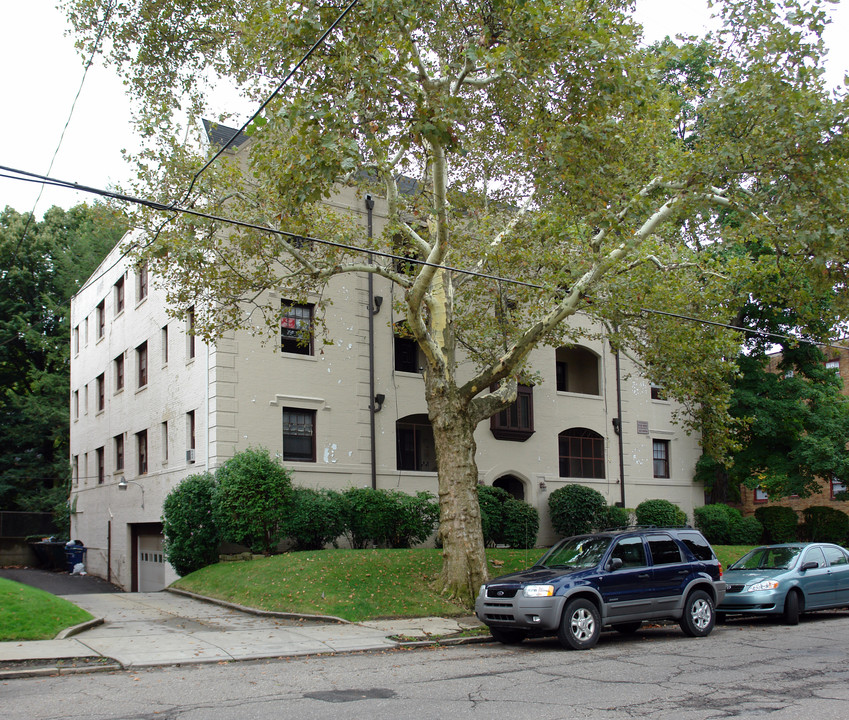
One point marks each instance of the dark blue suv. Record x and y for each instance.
(615, 578)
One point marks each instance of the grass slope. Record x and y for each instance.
(354, 584)
(27, 613)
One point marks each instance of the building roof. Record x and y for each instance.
(221, 134)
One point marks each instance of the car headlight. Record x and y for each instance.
(538, 590)
(482, 589)
(764, 585)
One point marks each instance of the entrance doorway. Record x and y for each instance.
(148, 558)
(512, 485)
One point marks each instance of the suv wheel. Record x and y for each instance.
(698, 617)
(580, 626)
(508, 636)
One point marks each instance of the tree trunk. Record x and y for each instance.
(463, 556)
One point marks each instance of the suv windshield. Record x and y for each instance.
(768, 558)
(576, 552)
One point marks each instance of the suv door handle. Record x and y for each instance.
(643, 576)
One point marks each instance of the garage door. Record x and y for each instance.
(151, 563)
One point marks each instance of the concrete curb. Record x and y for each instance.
(76, 629)
(261, 613)
(55, 669)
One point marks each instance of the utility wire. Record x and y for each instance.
(88, 64)
(25, 176)
(273, 95)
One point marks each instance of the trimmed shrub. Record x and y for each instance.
(492, 500)
(614, 517)
(521, 524)
(780, 524)
(252, 500)
(316, 518)
(576, 509)
(388, 518)
(660, 513)
(825, 524)
(747, 531)
(191, 535)
(715, 521)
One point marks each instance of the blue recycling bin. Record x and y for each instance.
(74, 554)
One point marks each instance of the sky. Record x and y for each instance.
(42, 71)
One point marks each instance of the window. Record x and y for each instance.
(165, 345)
(190, 436)
(576, 371)
(101, 467)
(75, 468)
(141, 358)
(517, 421)
(101, 392)
(86, 331)
(631, 552)
(164, 439)
(660, 458)
(657, 392)
(85, 394)
(119, 296)
(298, 435)
(119, 451)
(101, 319)
(835, 556)
(760, 495)
(142, 283)
(296, 328)
(581, 453)
(77, 340)
(415, 449)
(141, 447)
(664, 550)
(697, 545)
(119, 372)
(406, 355)
(833, 365)
(837, 486)
(76, 404)
(190, 332)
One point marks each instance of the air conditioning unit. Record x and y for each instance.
(190, 455)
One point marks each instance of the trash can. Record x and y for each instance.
(74, 554)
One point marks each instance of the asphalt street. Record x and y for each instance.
(742, 670)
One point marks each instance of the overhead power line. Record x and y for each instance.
(25, 176)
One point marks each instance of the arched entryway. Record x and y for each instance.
(512, 485)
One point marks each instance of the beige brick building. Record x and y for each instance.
(150, 405)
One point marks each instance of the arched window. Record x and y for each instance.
(415, 449)
(577, 371)
(581, 453)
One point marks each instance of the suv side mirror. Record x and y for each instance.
(614, 564)
(810, 565)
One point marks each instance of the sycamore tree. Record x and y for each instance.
(560, 166)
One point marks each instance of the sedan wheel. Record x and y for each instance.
(580, 626)
(792, 608)
(698, 617)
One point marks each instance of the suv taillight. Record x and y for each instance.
(720, 571)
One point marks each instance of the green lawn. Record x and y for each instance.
(354, 584)
(27, 613)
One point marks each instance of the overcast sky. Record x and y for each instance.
(41, 73)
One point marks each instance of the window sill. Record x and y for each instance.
(512, 435)
(589, 396)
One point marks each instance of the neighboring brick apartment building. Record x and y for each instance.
(751, 500)
(150, 404)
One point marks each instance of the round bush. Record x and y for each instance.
(660, 513)
(252, 500)
(825, 524)
(191, 536)
(715, 521)
(415, 518)
(576, 509)
(780, 524)
(521, 524)
(746, 531)
(316, 518)
(368, 516)
(614, 517)
(491, 500)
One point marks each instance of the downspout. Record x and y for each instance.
(370, 310)
(620, 428)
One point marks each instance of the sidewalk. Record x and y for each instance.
(136, 630)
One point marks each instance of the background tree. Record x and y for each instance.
(548, 150)
(43, 265)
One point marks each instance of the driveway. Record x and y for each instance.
(59, 583)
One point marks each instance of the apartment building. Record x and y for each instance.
(152, 404)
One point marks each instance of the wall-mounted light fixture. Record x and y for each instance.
(617, 426)
(542, 485)
(378, 402)
(378, 301)
(123, 484)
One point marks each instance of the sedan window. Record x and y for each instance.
(835, 556)
(814, 554)
(768, 558)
